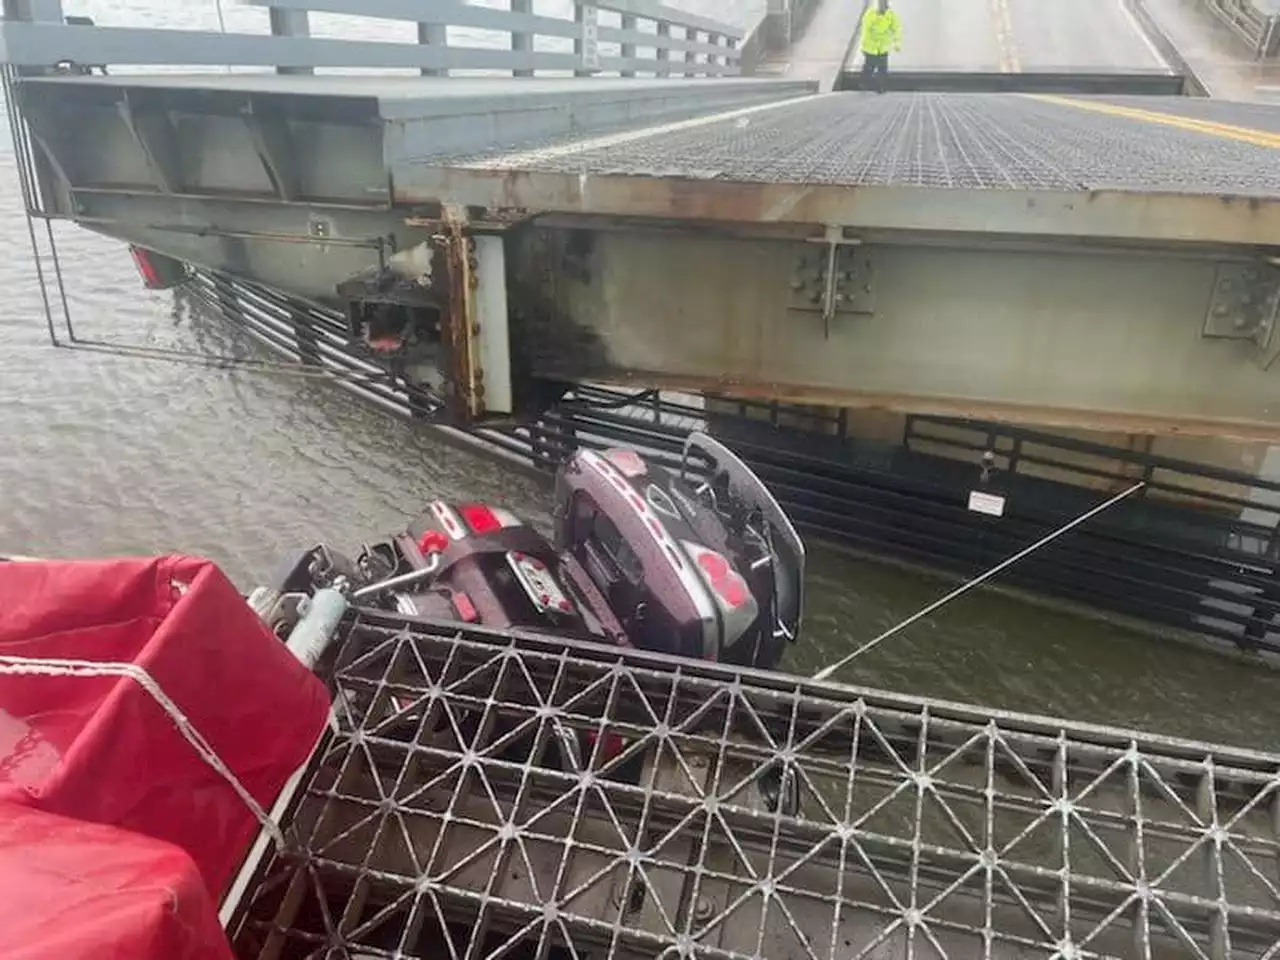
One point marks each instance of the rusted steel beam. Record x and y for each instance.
(1166, 341)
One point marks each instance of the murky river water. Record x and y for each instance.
(105, 455)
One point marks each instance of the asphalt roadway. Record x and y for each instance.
(1012, 36)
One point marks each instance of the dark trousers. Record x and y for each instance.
(875, 68)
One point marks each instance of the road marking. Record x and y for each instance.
(1223, 131)
(995, 18)
(537, 155)
(1010, 62)
(1015, 59)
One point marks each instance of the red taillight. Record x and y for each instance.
(730, 594)
(713, 565)
(433, 541)
(142, 260)
(628, 461)
(464, 608)
(480, 518)
(724, 581)
(158, 272)
(613, 745)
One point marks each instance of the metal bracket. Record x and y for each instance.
(474, 320)
(456, 285)
(833, 277)
(152, 130)
(45, 137)
(1245, 305)
(274, 145)
(320, 231)
(588, 14)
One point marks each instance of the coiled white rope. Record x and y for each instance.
(25, 666)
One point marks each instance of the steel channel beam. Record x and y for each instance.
(1140, 216)
(302, 249)
(1073, 336)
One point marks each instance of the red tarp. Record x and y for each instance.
(102, 750)
(72, 890)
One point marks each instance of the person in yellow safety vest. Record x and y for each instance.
(881, 32)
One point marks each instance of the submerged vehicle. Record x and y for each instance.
(698, 561)
(189, 789)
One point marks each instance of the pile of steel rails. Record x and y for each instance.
(487, 795)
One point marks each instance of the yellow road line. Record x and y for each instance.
(1011, 40)
(1224, 131)
(1009, 60)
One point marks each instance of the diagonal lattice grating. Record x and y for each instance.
(490, 797)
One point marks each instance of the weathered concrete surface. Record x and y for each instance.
(946, 35)
(1221, 59)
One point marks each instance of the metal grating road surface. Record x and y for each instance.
(954, 141)
(493, 797)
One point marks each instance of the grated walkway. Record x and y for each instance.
(955, 141)
(492, 796)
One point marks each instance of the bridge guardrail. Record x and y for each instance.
(1258, 28)
(36, 34)
(784, 22)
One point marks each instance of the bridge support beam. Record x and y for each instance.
(1174, 340)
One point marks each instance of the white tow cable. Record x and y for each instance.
(826, 672)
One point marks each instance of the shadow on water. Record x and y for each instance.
(1007, 652)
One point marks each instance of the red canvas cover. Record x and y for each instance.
(71, 890)
(102, 750)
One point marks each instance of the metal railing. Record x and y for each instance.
(491, 796)
(1258, 28)
(624, 37)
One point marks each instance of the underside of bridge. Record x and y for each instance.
(1075, 261)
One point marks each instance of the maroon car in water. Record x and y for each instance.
(696, 561)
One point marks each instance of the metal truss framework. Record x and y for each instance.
(492, 796)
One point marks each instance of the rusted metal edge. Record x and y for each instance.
(1141, 216)
(457, 284)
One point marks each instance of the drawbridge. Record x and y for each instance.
(1048, 256)
(1056, 258)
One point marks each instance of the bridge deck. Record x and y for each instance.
(956, 141)
(494, 796)
(1147, 169)
(746, 150)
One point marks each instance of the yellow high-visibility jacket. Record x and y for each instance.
(881, 32)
